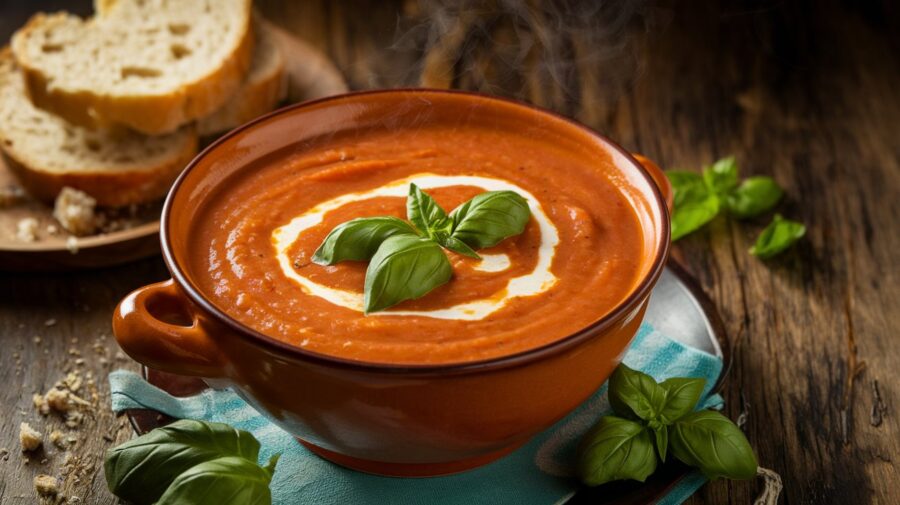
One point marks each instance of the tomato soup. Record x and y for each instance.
(580, 256)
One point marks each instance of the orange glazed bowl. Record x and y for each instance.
(384, 418)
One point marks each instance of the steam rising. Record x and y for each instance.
(572, 57)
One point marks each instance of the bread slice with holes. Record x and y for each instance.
(151, 65)
(116, 168)
(264, 87)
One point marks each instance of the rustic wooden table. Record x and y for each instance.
(806, 92)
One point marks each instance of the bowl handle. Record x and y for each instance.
(166, 346)
(659, 177)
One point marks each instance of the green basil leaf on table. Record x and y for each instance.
(686, 186)
(490, 217)
(634, 394)
(682, 395)
(695, 203)
(661, 434)
(140, 470)
(405, 267)
(722, 176)
(222, 481)
(778, 236)
(711, 442)
(358, 239)
(755, 196)
(616, 449)
(425, 213)
(691, 215)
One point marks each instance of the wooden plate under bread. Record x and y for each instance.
(310, 75)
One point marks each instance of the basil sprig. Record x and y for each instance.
(778, 236)
(179, 463)
(652, 419)
(406, 261)
(700, 197)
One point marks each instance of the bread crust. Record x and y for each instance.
(251, 101)
(150, 114)
(109, 188)
(139, 183)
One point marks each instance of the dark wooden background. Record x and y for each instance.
(808, 92)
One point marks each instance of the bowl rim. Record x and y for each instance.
(549, 349)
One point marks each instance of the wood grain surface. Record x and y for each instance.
(808, 92)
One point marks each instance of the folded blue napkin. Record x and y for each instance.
(541, 472)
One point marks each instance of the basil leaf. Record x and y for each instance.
(458, 246)
(722, 176)
(615, 449)
(358, 239)
(490, 217)
(686, 186)
(682, 396)
(695, 203)
(661, 434)
(691, 215)
(140, 470)
(404, 267)
(223, 481)
(711, 442)
(778, 236)
(755, 196)
(634, 394)
(425, 213)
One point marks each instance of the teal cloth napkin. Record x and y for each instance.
(538, 473)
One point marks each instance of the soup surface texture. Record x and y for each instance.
(580, 255)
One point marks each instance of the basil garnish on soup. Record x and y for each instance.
(407, 259)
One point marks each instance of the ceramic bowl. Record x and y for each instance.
(402, 420)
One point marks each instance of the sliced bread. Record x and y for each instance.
(152, 65)
(263, 88)
(46, 153)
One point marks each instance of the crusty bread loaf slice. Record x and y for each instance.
(263, 88)
(116, 168)
(152, 65)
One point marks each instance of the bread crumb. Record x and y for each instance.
(73, 382)
(74, 419)
(56, 438)
(50, 322)
(29, 438)
(26, 229)
(52, 229)
(58, 400)
(40, 404)
(63, 401)
(74, 210)
(72, 244)
(46, 485)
